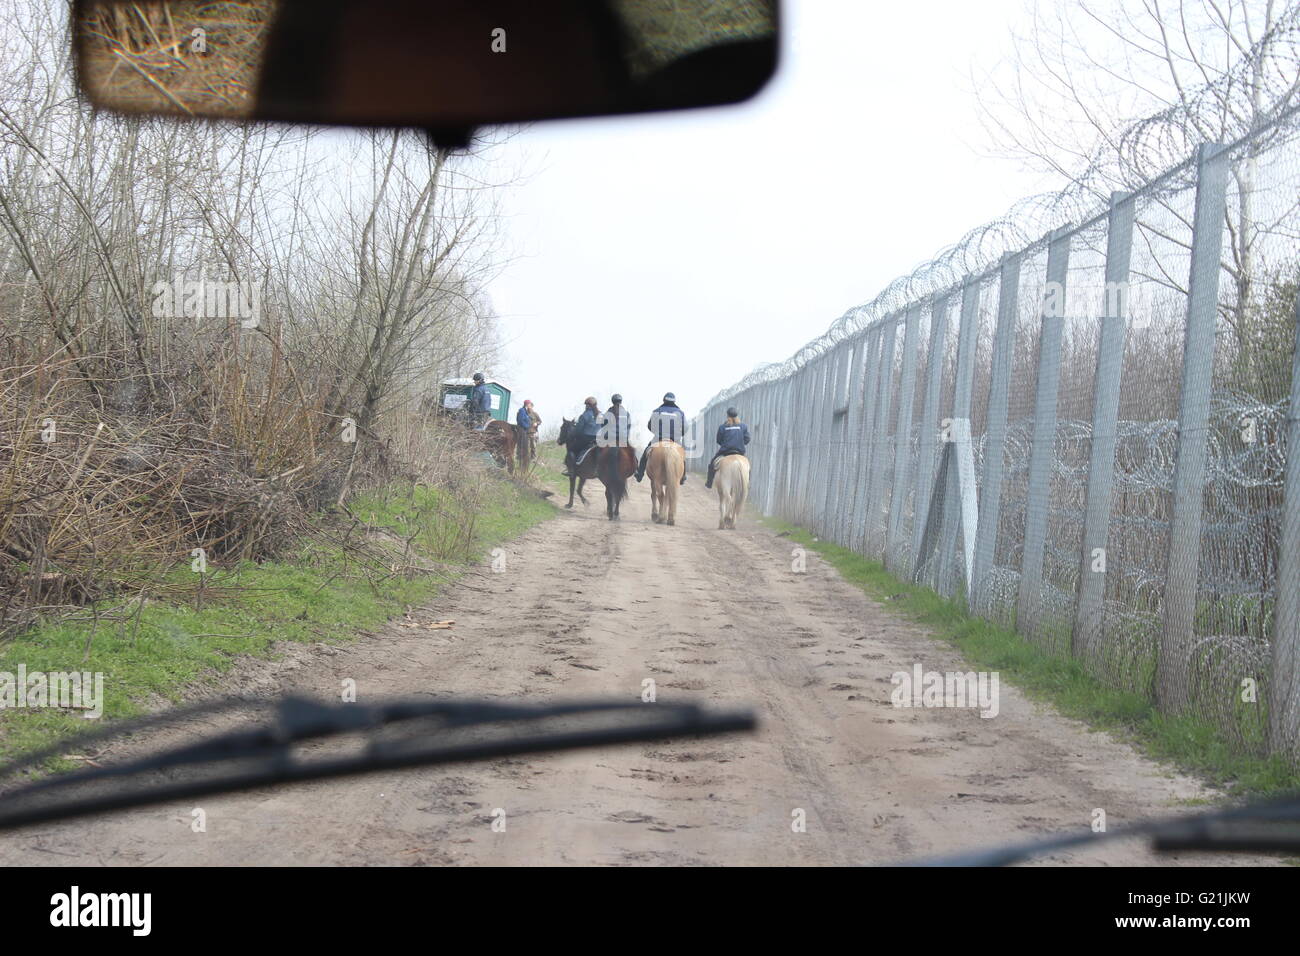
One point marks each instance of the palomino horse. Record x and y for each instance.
(732, 482)
(614, 465)
(583, 473)
(664, 468)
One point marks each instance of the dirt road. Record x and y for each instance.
(710, 616)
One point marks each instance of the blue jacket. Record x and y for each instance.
(732, 439)
(524, 420)
(480, 399)
(589, 423)
(667, 423)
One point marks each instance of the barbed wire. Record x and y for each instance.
(1027, 224)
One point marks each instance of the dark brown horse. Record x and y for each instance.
(584, 472)
(499, 439)
(614, 465)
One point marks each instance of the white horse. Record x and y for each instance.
(732, 483)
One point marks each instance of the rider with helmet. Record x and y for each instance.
(667, 423)
(615, 424)
(585, 430)
(733, 436)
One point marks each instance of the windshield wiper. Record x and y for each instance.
(1237, 829)
(391, 734)
(407, 733)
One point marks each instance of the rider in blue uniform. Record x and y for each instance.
(667, 423)
(733, 436)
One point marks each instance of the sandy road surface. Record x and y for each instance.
(711, 616)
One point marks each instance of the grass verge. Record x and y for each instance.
(1191, 744)
(318, 592)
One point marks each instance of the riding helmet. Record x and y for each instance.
(616, 398)
(669, 397)
(732, 413)
(478, 376)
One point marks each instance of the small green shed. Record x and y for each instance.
(455, 392)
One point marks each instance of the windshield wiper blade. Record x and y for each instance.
(1215, 830)
(444, 731)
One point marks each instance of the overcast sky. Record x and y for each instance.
(677, 252)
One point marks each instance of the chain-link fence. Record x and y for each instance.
(1082, 435)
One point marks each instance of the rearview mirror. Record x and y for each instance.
(436, 64)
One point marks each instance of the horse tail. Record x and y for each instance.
(609, 472)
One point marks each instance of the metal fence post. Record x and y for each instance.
(990, 498)
(807, 414)
(791, 451)
(929, 427)
(963, 388)
(844, 447)
(866, 439)
(901, 484)
(880, 441)
(1042, 453)
(1284, 676)
(1089, 615)
(1193, 426)
(852, 447)
(831, 451)
(780, 483)
(822, 448)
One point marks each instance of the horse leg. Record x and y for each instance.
(581, 483)
(670, 499)
(571, 481)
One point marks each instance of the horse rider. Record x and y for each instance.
(480, 403)
(733, 436)
(585, 430)
(667, 423)
(615, 424)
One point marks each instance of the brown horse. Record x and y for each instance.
(614, 465)
(584, 472)
(664, 468)
(499, 439)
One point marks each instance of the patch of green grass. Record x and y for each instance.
(316, 593)
(550, 466)
(1189, 743)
